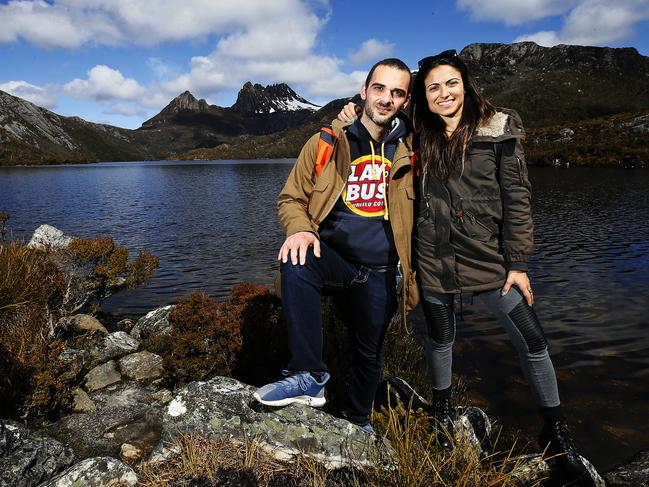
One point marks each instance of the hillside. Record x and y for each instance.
(33, 135)
(553, 85)
(620, 140)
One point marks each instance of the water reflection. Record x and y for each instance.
(214, 223)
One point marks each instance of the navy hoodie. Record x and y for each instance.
(356, 227)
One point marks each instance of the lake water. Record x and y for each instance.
(214, 223)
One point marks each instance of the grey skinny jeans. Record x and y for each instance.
(523, 329)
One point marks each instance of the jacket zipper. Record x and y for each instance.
(474, 220)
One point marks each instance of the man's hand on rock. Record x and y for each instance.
(297, 245)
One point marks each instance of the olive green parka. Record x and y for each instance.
(478, 225)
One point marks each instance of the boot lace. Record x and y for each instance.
(563, 437)
(442, 410)
(299, 379)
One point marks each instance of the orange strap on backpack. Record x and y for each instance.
(326, 145)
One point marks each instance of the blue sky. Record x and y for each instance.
(122, 61)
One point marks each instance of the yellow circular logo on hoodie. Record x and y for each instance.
(364, 192)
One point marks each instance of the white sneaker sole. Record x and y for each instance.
(315, 402)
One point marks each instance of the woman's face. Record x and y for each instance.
(444, 91)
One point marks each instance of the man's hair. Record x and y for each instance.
(391, 62)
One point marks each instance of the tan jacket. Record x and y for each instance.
(306, 200)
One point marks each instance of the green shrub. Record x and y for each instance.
(264, 350)
(205, 338)
(53, 381)
(104, 266)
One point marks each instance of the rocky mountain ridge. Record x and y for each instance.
(259, 110)
(254, 102)
(550, 87)
(272, 98)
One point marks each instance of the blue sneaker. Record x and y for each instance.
(367, 428)
(299, 387)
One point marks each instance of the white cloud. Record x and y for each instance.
(339, 85)
(514, 12)
(162, 69)
(104, 83)
(72, 23)
(257, 40)
(595, 22)
(371, 50)
(43, 97)
(126, 109)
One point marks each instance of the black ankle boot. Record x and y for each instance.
(555, 438)
(443, 417)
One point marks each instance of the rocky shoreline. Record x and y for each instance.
(126, 416)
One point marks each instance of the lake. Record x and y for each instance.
(214, 223)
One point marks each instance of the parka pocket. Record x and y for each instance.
(476, 228)
(318, 200)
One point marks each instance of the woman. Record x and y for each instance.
(474, 235)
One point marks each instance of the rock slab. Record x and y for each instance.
(129, 413)
(153, 323)
(27, 458)
(142, 366)
(95, 472)
(633, 473)
(103, 375)
(223, 409)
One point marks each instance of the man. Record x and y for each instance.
(347, 229)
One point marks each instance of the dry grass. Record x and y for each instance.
(29, 285)
(411, 460)
(210, 461)
(418, 462)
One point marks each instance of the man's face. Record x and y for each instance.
(386, 93)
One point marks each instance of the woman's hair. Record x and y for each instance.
(447, 154)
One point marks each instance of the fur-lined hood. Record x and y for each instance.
(505, 124)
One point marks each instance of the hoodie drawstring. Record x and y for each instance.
(386, 214)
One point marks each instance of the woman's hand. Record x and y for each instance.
(522, 282)
(348, 113)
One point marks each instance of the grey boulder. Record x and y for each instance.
(81, 323)
(28, 458)
(153, 323)
(95, 472)
(112, 346)
(101, 376)
(48, 237)
(142, 366)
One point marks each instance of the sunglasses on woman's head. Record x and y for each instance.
(451, 53)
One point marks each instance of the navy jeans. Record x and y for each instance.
(370, 301)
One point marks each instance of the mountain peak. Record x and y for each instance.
(272, 98)
(186, 101)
